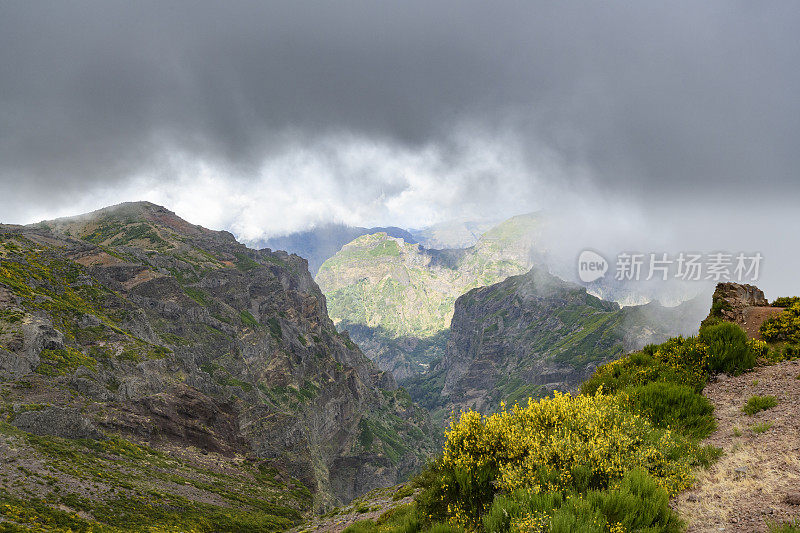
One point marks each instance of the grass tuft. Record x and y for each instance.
(756, 404)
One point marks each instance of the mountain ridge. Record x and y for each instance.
(322, 242)
(534, 333)
(389, 294)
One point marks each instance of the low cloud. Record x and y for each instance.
(638, 124)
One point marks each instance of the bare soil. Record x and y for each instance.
(747, 489)
(755, 316)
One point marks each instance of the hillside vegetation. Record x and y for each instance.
(323, 241)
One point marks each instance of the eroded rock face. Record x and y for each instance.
(733, 298)
(744, 305)
(171, 333)
(58, 422)
(532, 334)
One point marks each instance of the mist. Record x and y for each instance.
(634, 127)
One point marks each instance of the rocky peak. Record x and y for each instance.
(741, 304)
(142, 224)
(172, 334)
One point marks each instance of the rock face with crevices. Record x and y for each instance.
(534, 333)
(62, 422)
(741, 304)
(146, 326)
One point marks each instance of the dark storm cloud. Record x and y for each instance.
(650, 97)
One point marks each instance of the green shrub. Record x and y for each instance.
(401, 519)
(678, 360)
(670, 405)
(444, 528)
(786, 527)
(403, 492)
(757, 404)
(430, 480)
(728, 349)
(245, 263)
(521, 505)
(362, 526)
(249, 320)
(638, 504)
(63, 361)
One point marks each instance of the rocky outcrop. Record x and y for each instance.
(175, 335)
(741, 304)
(731, 299)
(58, 422)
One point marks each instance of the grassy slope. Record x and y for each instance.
(117, 485)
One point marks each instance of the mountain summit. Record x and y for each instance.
(129, 325)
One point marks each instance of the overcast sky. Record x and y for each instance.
(268, 117)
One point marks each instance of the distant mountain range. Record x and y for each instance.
(319, 243)
(461, 233)
(396, 298)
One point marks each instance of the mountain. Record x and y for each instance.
(534, 333)
(318, 244)
(203, 380)
(396, 298)
(460, 233)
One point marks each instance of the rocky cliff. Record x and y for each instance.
(534, 333)
(132, 323)
(741, 304)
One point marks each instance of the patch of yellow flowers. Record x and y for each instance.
(541, 447)
(783, 327)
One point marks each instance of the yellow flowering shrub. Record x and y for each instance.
(783, 327)
(553, 444)
(759, 348)
(628, 442)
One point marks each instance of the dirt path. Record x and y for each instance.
(748, 487)
(367, 507)
(755, 316)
